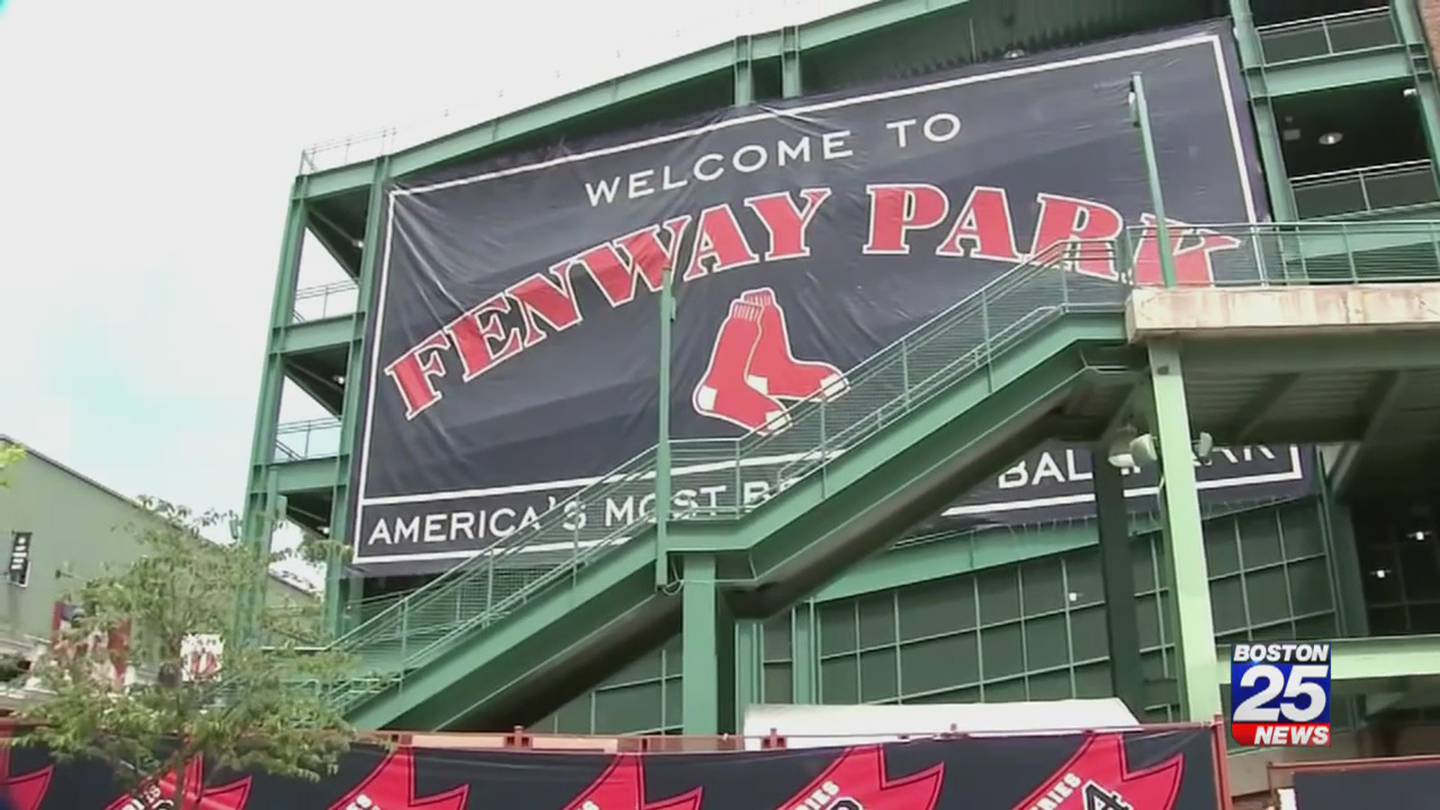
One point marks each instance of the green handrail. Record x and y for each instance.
(961, 341)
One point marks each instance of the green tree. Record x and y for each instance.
(261, 711)
(10, 455)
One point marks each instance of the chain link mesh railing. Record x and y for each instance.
(961, 342)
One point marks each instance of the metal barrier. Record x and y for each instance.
(1369, 188)
(302, 441)
(1328, 35)
(325, 301)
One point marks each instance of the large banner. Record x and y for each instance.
(515, 345)
(1154, 771)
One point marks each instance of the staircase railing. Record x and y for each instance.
(954, 344)
(741, 474)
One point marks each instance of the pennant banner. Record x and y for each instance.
(1171, 770)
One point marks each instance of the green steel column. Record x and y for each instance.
(1344, 559)
(791, 80)
(744, 67)
(749, 667)
(705, 630)
(1121, 626)
(256, 524)
(662, 442)
(1188, 576)
(1140, 113)
(1267, 134)
(1422, 69)
(804, 655)
(375, 214)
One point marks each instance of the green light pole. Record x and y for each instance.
(662, 444)
(1140, 116)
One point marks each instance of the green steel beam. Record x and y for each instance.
(791, 73)
(1341, 70)
(1258, 409)
(662, 442)
(1312, 354)
(744, 70)
(258, 520)
(375, 214)
(1184, 538)
(1121, 624)
(305, 476)
(309, 336)
(341, 180)
(716, 59)
(1140, 113)
(804, 655)
(1385, 395)
(700, 641)
(1422, 73)
(1376, 659)
(1267, 133)
(1346, 574)
(749, 668)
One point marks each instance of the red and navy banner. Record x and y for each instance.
(514, 346)
(1173, 770)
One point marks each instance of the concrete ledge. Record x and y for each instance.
(1229, 311)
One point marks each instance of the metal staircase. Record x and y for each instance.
(961, 360)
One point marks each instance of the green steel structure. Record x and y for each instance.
(808, 597)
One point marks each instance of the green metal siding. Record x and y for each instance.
(1033, 630)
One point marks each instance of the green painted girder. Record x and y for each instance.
(537, 657)
(309, 336)
(719, 58)
(1386, 63)
(1374, 663)
(1376, 352)
(306, 475)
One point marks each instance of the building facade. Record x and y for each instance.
(1345, 110)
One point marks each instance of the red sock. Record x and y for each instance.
(722, 392)
(774, 371)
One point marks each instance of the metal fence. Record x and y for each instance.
(1331, 34)
(325, 301)
(302, 441)
(1369, 188)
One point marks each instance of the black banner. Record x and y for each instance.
(1412, 786)
(1144, 771)
(517, 349)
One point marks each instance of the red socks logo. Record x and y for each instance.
(752, 368)
(1097, 778)
(856, 781)
(622, 787)
(391, 786)
(197, 797)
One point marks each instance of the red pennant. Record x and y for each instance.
(856, 781)
(1097, 778)
(392, 787)
(622, 787)
(226, 797)
(24, 792)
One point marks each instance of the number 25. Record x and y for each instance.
(1299, 685)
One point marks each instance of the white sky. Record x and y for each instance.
(146, 153)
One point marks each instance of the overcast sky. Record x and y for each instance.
(146, 152)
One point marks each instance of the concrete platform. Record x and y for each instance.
(1201, 312)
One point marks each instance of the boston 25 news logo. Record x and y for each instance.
(1280, 693)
